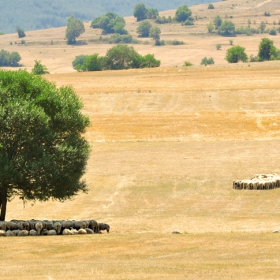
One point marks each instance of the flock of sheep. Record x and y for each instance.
(258, 182)
(51, 227)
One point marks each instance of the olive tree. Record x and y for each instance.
(75, 27)
(43, 153)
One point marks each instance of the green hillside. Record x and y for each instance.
(34, 14)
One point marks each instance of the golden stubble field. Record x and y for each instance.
(166, 145)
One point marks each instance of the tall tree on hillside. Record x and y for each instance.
(143, 28)
(140, 11)
(43, 154)
(20, 32)
(266, 49)
(183, 13)
(75, 27)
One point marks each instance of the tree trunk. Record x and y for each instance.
(3, 205)
(3, 210)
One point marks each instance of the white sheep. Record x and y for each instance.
(23, 232)
(2, 232)
(67, 232)
(52, 232)
(82, 231)
(33, 232)
(39, 227)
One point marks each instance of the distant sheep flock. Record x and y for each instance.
(258, 182)
(51, 227)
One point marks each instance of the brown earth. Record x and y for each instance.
(166, 145)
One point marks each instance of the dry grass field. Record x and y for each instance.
(166, 145)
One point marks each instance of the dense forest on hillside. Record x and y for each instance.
(34, 14)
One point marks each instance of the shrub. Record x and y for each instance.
(267, 14)
(272, 32)
(78, 62)
(218, 46)
(187, 63)
(207, 61)
(211, 6)
(236, 54)
(39, 69)
(9, 59)
(188, 22)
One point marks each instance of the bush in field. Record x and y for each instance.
(110, 23)
(207, 61)
(78, 62)
(183, 13)
(116, 58)
(9, 59)
(75, 27)
(39, 69)
(236, 54)
(144, 28)
(267, 50)
(20, 32)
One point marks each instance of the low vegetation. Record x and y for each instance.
(110, 23)
(9, 58)
(117, 58)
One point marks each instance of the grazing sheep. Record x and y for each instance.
(48, 225)
(74, 231)
(67, 224)
(10, 233)
(104, 227)
(93, 225)
(33, 232)
(11, 226)
(79, 224)
(2, 232)
(89, 231)
(52, 232)
(67, 231)
(44, 231)
(82, 231)
(23, 232)
(2, 225)
(57, 227)
(39, 227)
(23, 225)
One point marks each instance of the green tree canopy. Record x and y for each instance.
(227, 28)
(39, 68)
(217, 22)
(20, 32)
(144, 28)
(75, 27)
(266, 49)
(155, 32)
(9, 59)
(236, 54)
(94, 62)
(110, 23)
(121, 57)
(183, 13)
(78, 62)
(140, 11)
(42, 151)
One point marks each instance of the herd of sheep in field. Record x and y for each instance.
(258, 182)
(51, 227)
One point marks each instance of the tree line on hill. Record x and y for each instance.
(227, 27)
(34, 14)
